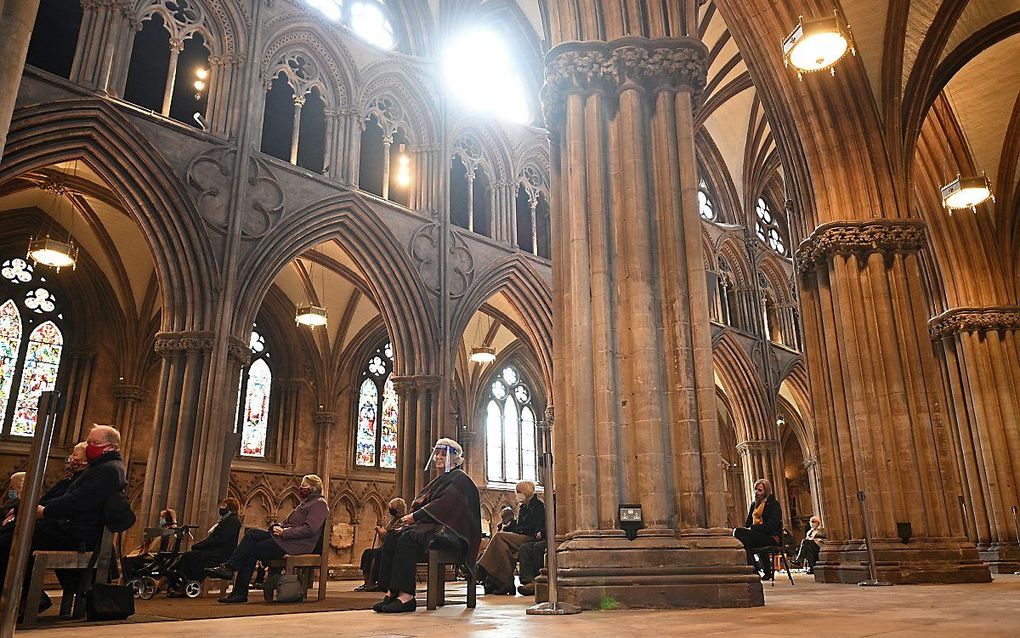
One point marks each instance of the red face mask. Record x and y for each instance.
(303, 491)
(93, 452)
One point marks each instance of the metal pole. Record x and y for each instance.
(872, 569)
(553, 607)
(1016, 527)
(50, 405)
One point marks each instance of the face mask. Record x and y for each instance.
(303, 491)
(520, 497)
(394, 511)
(93, 452)
(12, 495)
(164, 522)
(224, 511)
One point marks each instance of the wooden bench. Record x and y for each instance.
(438, 559)
(304, 566)
(92, 567)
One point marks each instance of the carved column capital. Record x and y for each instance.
(168, 343)
(323, 419)
(979, 320)
(860, 237)
(810, 464)
(238, 351)
(630, 62)
(128, 392)
(403, 385)
(761, 446)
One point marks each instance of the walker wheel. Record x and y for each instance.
(147, 588)
(193, 589)
(136, 587)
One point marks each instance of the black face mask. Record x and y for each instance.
(224, 511)
(394, 511)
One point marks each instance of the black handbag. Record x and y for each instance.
(109, 602)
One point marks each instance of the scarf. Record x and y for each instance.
(758, 517)
(452, 501)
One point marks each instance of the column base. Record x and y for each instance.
(702, 568)
(1001, 558)
(923, 560)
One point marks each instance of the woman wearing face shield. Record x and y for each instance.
(446, 511)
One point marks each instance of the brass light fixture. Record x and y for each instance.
(403, 168)
(817, 44)
(310, 315)
(53, 253)
(483, 354)
(966, 192)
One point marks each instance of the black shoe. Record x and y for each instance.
(768, 577)
(397, 607)
(226, 572)
(234, 597)
(387, 599)
(527, 589)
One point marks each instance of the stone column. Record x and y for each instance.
(295, 136)
(17, 17)
(80, 366)
(979, 346)
(418, 430)
(176, 46)
(633, 387)
(225, 94)
(815, 485)
(127, 396)
(877, 401)
(324, 423)
(103, 27)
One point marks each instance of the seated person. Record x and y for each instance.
(531, 559)
(809, 548)
(506, 518)
(74, 520)
(763, 526)
(446, 511)
(10, 507)
(299, 534)
(74, 465)
(216, 547)
(496, 566)
(370, 557)
(143, 554)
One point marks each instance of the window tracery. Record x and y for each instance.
(256, 388)
(767, 228)
(378, 411)
(706, 206)
(510, 429)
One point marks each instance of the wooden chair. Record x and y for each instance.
(304, 565)
(438, 559)
(91, 567)
(210, 584)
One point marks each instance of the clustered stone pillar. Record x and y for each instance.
(633, 384)
(760, 459)
(324, 423)
(127, 396)
(877, 398)
(981, 355)
(17, 17)
(418, 430)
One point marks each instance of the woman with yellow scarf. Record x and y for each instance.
(763, 527)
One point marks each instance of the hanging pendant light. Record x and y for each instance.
(483, 354)
(310, 315)
(817, 44)
(966, 192)
(51, 252)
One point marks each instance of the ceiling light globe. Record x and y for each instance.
(310, 316)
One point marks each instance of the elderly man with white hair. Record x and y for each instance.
(447, 511)
(75, 519)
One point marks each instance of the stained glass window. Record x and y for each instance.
(767, 228)
(256, 387)
(378, 412)
(510, 429)
(10, 344)
(39, 374)
(31, 343)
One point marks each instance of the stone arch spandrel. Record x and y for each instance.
(145, 184)
(396, 289)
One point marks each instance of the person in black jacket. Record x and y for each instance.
(763, 527)
(496, 566)
(75, 519)
(74, 465)
(214, 549)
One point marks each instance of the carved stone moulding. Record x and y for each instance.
(176, 342)
(128, 392)
(859, 237)
(239, 351)
(323, 419)
(630, 62)
(979, 320)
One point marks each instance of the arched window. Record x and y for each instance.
(368, 19)
(31, 343)
(169, 68)
(510, 429)
(294, 119)
(706, 207)
(767, 228)
(377, 412)
(469, 188)
(483, 75)
(256, 388)
(55, 36)
(384, 145)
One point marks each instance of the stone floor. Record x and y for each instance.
(808, 609)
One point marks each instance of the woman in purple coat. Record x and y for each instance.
(299, 534)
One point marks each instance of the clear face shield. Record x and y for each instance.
(443, 456)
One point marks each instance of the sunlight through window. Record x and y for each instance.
(480, 73)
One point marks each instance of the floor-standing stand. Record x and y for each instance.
(1016, 527)
(553, 607)
(46, 421)
(872, 569)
